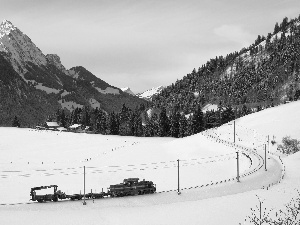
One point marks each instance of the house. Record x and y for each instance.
(52, 125)
(76, 128)
(62, 129)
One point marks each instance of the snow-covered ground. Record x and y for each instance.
(210, 107)
(32, 158)
(149, 93)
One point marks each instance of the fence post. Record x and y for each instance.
(265, 157)
(178, 191)
(238, 175)
(84, 203)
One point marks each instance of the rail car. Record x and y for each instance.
(129, 187)
(57, 194)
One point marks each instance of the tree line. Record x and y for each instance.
(149, 122)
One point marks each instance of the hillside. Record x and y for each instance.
(48, 157)
(265, 73)
(26, 69)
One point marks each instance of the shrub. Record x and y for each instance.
(289, 215)
(289, 145)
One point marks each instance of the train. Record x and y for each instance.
(129, 187)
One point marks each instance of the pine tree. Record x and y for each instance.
(174, 128)
(276, 28)
(85, 116)
(113, 124)
(197, 121)
(138, 127)
(183, 126)
(101, 122)
(62, 120)
(227, 115)
(163, 123)
(16, 122)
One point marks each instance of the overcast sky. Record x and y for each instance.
(144, 44)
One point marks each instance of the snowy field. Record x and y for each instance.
(210, 191)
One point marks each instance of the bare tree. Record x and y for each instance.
(290, 215)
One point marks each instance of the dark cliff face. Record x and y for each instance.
(17, 98)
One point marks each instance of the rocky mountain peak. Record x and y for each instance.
(6, 27)
(19, 48)
(55, 60)
(127, 90)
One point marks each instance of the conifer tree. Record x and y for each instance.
(197, 121)
(163, 123)
(62, 120)
(276, 28)
(113, 124)
(183, 126)
(174, 128)
(16, 122)
(138, 127)
(228, 115)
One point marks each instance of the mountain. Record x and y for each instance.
(35, 85)
(263, 74)
(127, 90)
(148, 95)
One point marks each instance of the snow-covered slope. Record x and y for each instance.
(150, 93)
(46, 157)
(127, 90)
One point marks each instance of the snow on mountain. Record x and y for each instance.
(210, 107)
(108, 90)
(19, 48)
(70, 105)
(149, 93)
(127, 90)
(48, 90)
(246, 57)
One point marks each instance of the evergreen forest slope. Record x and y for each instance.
(265, 73)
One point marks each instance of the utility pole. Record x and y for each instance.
(234, 131)
(268, 143)
(84, 203)
(265, 157)
(178, 191)
(238, 172)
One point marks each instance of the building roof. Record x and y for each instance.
(75, 126)
(52, 124)
(61, 129)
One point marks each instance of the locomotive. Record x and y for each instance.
(129, 187)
